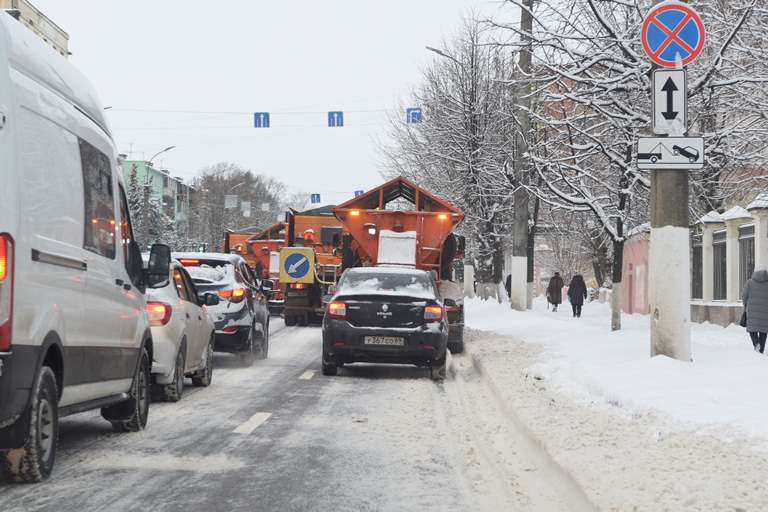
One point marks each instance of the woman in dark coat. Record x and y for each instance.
(555, 290)
(577, 293)
(755, 297)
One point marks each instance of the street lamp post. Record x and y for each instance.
(160, 153)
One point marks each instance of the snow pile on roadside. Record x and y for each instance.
(723, 388)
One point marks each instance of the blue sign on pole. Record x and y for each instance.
(358, 193)
(296, 265)
(314, 198)
(261, 119)
(335, 119)
(413, 115)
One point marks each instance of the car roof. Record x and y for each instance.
(388, 270)
(216, 256)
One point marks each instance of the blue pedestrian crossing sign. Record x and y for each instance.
(335, 119)
(297, 265)
(413, 115)
(672, 32)
(358, 193)
(261, 119)
(314, 198)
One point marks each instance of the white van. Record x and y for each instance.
(74, 334)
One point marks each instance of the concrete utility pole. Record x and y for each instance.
(669, 266)
(519, 270)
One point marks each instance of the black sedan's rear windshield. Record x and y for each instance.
(407, 284)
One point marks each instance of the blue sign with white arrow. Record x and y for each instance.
(261, 119)
(296, 265)
(335, 119)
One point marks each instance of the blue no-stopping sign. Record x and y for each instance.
(672, 32)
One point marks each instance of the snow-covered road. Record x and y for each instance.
(281, 437)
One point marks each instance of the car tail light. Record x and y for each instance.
(6, 291)
(297, 286)
(433, 313)
(189, 262)
(234, 295)
(159, 313)
(337, 310)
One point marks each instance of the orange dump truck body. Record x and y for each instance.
(432, 221)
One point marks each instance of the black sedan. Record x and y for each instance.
(386, 315)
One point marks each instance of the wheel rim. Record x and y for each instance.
(46, 428)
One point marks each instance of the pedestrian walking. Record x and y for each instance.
(755, 298)
(577, 294)
(555, 291)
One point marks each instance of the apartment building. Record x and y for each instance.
(39, 23)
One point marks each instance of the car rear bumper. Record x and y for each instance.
(232, 342)
(163, 355)
(344, 343)
(19, 368)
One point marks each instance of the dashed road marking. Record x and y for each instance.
(307, 375)
(253, 423)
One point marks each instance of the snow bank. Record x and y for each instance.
(722, 389)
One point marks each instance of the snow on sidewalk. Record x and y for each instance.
(723, 391)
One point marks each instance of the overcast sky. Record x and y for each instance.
(297, 59)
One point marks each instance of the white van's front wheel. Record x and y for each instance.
(34, 461)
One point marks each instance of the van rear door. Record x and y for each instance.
(8, 197)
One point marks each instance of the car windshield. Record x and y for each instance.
(410, 284)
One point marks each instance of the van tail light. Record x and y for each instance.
(159, 313)
(433, 313)
(337, 310)
(234, 295)
(6, 291)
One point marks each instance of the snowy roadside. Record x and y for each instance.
(636, 433)
(721, 392)
(623, 462)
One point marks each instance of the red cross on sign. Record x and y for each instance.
(672, 32)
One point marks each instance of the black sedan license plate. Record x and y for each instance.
(384, 340)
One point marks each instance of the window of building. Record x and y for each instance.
(697, 276)
(720, 266)
(99, 201)
(746, 255)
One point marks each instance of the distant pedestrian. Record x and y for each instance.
(577, 293)
(555, 291)
(508, 286)
(755, 297)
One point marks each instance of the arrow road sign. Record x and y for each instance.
(670, 31)
(335, 119)
(670, 102)
(297, 265)
(261, 119)
(670, 153)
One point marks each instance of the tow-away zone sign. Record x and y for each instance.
(670, 153)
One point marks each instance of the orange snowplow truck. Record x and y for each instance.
(380, 229)
(262, 252)
(319, 231)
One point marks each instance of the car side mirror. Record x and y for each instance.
(209, 299)
(159, 267)
(136, 267)
(449, 303)
(267, 285)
